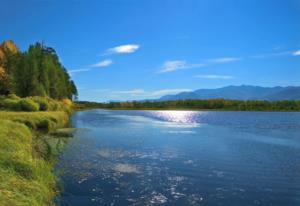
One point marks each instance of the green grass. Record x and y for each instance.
(42, 121)
(25, 178)
(33, 104)
(28, 150)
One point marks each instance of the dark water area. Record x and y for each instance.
(182, 158)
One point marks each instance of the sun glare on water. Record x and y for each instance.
(177, 116)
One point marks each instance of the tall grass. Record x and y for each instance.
(25, 179)
(26, 156)
(42, 121)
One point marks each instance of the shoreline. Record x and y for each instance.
(185, 109)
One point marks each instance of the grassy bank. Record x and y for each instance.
(25, 179)
(26, 152)
(39, 121)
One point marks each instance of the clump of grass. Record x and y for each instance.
(43, 121)
(10, 104)
(42, 102)
(27, 104)
(25, 179)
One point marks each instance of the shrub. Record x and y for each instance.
(10, 104)
(13, 96)
(42, 101)
(28, 105)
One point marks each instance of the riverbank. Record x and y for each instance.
(27, 156)
(196, 105)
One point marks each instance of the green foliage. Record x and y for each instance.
(25, 179)
(198, 104)
(28, 105)
(36, 72)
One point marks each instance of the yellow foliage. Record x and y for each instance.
(67, 102)
(9, 45)
(1, 54)
(2, 73)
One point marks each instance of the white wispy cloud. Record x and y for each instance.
(213, 76)
(170, 66)
(134, 92)
(127, 48)
(296, 53)
(269, 55)
(103, 63)
(223, 60)
(149, 94)
(79, 70)
(174, 65)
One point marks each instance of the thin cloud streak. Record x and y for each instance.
(170, 66)
(214, 77)
(103, 63)
(269, 55)
(223, 60)
(149, 94)
(173, 65)
(79, 70)
(100, 64)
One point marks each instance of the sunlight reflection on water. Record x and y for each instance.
(177, 116)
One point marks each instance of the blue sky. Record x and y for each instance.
(135, 49)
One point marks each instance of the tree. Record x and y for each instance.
(36, 72)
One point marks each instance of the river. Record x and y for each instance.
(119, 157)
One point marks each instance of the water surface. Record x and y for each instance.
(182, 158)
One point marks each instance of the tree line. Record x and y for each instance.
(35, 72)
(199, 104)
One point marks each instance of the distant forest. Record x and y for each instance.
(35, 72)
(197, 104)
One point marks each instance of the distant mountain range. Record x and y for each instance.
(243, 92)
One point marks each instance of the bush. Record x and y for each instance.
(13, 96)
(10, 104)
(28, 105)
(43, 103)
